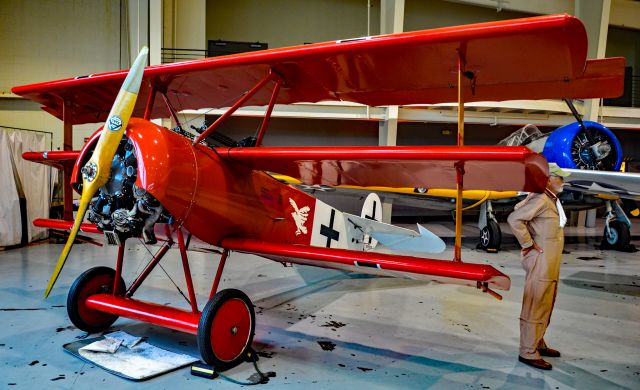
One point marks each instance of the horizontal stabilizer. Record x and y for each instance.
(395, 238)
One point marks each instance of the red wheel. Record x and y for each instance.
(226, 328)
(98, 280)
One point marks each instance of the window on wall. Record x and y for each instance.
(221, 48)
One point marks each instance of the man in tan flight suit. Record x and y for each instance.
(537, 222)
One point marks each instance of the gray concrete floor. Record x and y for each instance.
(396, 333)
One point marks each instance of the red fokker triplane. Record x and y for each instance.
(167, 186)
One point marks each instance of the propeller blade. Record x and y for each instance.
(97, 170)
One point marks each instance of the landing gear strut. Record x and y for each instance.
(617, 226)
(490, 233)
(490, 237)
(224, 329)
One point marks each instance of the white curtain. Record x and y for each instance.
(10, 223)
(29, 178)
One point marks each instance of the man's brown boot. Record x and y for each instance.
(536, 363)
(549, 352)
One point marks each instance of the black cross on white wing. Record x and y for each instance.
(329, 231)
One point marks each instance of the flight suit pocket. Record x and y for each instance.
(529, 260)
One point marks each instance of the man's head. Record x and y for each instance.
(556, 178)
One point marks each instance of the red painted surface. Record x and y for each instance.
(330, 257)
(230, 330)
(44, 157)
(496, 168)
(531, 58)
(161, 315)
(213, 199)
(60, 224)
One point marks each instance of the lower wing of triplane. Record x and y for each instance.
(478, 275)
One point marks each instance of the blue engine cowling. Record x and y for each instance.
(569, 147)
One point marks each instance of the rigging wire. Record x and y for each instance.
(165, 271)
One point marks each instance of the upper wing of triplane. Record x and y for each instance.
(532, 58)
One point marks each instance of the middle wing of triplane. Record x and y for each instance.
(494, 168)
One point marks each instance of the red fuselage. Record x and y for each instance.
(213, 199)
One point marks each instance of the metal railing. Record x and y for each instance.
(631, 95)
(170, 55)
(635, 91)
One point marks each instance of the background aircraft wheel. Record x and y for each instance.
(490, 237)
(98, 280)
(619, 235)
(226, 328)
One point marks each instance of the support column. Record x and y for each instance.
(155, 32)
(67, 144)
(387, 136)
(187, 24)
(135, 30)
(391, 21)
(595, 16)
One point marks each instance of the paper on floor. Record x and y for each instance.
(128, 340)
(106, 345)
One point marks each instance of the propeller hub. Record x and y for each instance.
(89, 171)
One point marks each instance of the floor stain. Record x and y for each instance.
(327, 345)
(264, 354)
(261, 378)
(365, 369)
(61, 376)
(334, 324)
(33, 363)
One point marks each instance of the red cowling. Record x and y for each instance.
(213, 199)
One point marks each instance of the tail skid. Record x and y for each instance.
(392, 237)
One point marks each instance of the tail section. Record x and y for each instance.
(335, 229)
(372, 209)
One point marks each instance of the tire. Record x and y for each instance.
(490, 237)
(619, 235)
(226, 329)
(98, 280)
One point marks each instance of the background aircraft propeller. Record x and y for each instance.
(97, 170)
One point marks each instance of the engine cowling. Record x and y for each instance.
(570, 147)
(135, 197)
